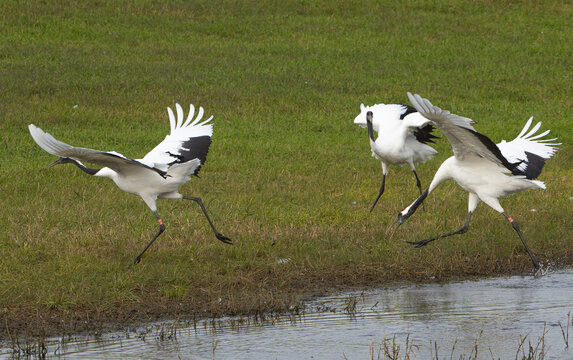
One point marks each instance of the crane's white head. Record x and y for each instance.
(403, 215)
(369, 117)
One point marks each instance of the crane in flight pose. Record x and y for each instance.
(159, 174)
(486, 170)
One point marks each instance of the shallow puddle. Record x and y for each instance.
(492, 316)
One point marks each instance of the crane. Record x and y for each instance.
(403, 135)
(159, 174)
(485, 170)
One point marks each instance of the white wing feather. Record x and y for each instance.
(110, 159)
(180, 133)
(415, 120)
(190, 115)
(464, 142)
(61, 149)
(515, 149)
(458, 129)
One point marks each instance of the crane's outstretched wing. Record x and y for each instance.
(529, 150)
(110, 159)
(465, 140)
(420, 126)
(515, 149)
(187, 140)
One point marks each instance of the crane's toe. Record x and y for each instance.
(224, 239)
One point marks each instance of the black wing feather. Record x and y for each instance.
(194, 148)
(424, 134)
(407, 111)
(534, 165)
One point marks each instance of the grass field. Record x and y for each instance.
(289, 177)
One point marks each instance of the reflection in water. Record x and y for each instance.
(494, 313)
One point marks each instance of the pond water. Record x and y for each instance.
(453, 319)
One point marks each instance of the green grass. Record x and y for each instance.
(288, 175)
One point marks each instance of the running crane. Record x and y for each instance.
(402, 137)
(158, 175)
(483, 168)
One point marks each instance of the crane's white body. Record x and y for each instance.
(149, 185)
(483, 179)
(400, 148)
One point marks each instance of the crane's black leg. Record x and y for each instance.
(161, 229)
(219, 236)
(419, 185)
(516, 228)
(380, 192)
(462, 230)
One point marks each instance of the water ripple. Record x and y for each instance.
(493, 313)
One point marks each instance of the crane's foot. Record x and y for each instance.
(537, 267)
(419, 244)
(137, 260)
(538, 271)
(224, 239)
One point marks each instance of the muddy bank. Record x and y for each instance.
(263, 294)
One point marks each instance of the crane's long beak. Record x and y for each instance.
(57, 162)
(393, 227)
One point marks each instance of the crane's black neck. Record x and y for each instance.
(66, 160)
(369, 125)
(412, 209)
(418, 202)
